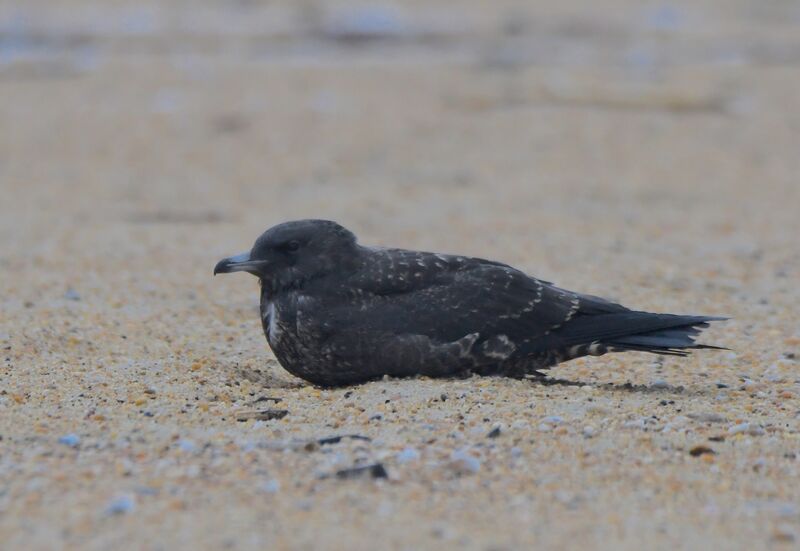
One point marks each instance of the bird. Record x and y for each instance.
(338, 313)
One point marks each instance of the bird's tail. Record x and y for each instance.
(668, 334)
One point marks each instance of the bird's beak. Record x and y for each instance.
(238, 263)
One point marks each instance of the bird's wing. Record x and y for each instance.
(446, 297)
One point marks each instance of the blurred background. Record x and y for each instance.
(403, 119)
(645, 151)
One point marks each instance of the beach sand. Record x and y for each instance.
(646, 153)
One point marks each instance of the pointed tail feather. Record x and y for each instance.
(668, 334)
(676, 341)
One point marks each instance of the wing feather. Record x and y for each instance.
(445, 297)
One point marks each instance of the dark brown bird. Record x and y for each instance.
(337, 313)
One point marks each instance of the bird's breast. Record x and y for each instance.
(284, 321)
(272, 322)
(295, 332)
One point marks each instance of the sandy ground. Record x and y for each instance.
(644, 152)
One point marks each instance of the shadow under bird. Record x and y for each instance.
(338, 313)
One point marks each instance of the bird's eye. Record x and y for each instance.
(292, 246)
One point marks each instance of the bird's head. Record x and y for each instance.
(291, 253)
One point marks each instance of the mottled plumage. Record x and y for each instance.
(335, 312)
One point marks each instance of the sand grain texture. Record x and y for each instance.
(647, 154)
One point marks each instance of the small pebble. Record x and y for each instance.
(746, 428)
(365, 23)
(635, 423)
(186, 446)
(707, 417)
(271, 486)
(72, 440)
(700, 450)
(121, 505)
(589, 431)
(773, 374)
(752, 386)
(463, 462)
(72, 294)
(407, 455)
(520, 424)
(376, 470)
(261, 415)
